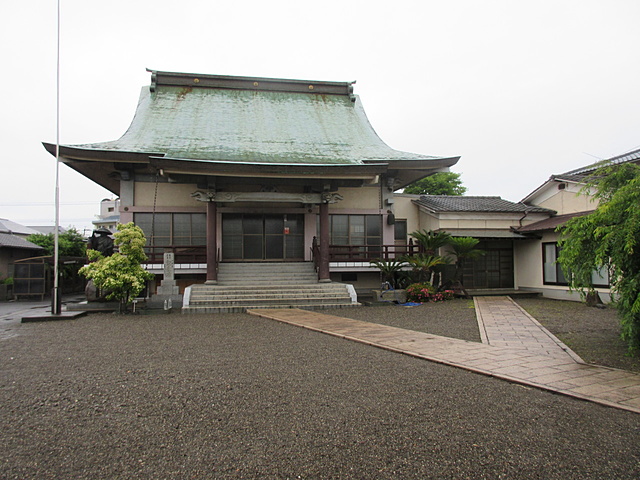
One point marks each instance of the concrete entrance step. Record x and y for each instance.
(243, 308)
(267, 285)
(316, 287)
(265, 296)
(266, 273)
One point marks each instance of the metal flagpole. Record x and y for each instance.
(55, 301)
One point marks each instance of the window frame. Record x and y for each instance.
(560, 274)
(169, 235)
(350, 232)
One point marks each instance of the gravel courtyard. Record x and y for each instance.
(235, 396)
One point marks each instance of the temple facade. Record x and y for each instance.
(221, 169)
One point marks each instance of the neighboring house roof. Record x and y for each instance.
(46, 229)
(455, 203)
(8, 240)
(551, 223)
(582, 174)
(191, 123)
(111, 219)
(482, 233)
(7, 226)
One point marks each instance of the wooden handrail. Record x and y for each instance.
(337, 253)
(182, 253)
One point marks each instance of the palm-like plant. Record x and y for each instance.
(464, 248)
(388, 269)
(425, 265)
(431, 241)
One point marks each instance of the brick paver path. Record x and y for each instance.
(507, 354)
(502, 322)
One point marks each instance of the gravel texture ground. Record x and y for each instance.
(454, 318)
(235, 396)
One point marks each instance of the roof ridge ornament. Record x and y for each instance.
(314, 87)
(154, 80)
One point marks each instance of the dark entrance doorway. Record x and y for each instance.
(262, 237)
(492, 270)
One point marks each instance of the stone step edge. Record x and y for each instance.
(268, 288)
(240, 309)
(277, 301)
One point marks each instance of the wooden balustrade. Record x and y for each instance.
(337, 253)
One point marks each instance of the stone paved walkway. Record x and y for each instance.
(503, 323)
(515, 348)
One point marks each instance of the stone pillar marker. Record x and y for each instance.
(169, 266)
(168, 284)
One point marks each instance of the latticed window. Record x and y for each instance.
(356, 229)
(164, 229)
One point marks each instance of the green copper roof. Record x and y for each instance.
(213, 118)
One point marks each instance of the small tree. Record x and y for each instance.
(609, 238)
(431, 242)
(441, 183)
(70, 243)
(425, 265)
(464, 248)
(121, 273)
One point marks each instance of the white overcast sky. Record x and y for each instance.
(519, 89)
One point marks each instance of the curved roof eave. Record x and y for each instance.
(253, 169)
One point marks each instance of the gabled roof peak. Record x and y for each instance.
(582, 174)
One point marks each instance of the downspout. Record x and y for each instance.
(522, 218)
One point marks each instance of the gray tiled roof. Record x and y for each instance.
(47, 229)
(551, 223)
(582, 173)
(7, 226)
(482, 233)
(12, 241)
(454, 203)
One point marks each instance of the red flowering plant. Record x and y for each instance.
(425, 292)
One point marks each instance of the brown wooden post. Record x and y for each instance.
(212, 243)
(323, 268)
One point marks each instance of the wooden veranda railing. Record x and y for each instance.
(366, 253)
(182, 253)
(337, 253)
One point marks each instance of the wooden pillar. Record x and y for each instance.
(323, 267)
(212, 243)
